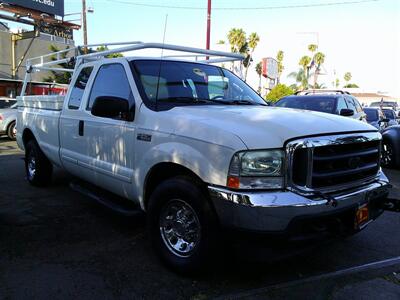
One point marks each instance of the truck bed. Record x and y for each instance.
(41, 114)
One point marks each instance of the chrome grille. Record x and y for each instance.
(329, 163)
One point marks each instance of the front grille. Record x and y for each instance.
(328, 162)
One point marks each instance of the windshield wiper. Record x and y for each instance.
(243, 102)
(191, 100)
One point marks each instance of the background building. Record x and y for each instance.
(24, 49)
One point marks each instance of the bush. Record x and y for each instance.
(279, 91)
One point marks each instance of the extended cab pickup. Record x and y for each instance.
(198, 150)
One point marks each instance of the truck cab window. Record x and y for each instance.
(111, 81)
(79, 88)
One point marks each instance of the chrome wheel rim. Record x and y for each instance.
(387, 155)
(14, 131)
(31, 167)
(180, 227)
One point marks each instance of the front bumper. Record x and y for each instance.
(280, 211)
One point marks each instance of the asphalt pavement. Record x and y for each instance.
(57, 244)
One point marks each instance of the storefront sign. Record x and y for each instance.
(62, 32)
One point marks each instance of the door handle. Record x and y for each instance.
(81, 127)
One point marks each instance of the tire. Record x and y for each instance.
(388, 155)
(179, 212)
(37, 167)
(11, 131)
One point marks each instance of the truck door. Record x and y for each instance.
(110, 141)
(72, 142)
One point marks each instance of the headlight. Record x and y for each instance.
(257, 170)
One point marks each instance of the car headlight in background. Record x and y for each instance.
(257, 170)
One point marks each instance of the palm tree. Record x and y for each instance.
(301, 78)
(347, 77)
(312, 48)
(252, 44)
(305, 64)
(238, 41)
(279, 58)
(319, 59)
(259, 73)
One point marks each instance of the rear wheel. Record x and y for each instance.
(12, 131)
(182, 225)
(38, 168)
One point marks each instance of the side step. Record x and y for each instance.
(111, 201)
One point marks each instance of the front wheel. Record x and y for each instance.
(12, 131)
(388, 158)
(37, 167)
(182, 225)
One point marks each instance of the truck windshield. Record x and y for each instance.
(186, 83)
(321, 104)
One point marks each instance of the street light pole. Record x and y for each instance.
(208, 25)
(84, 23)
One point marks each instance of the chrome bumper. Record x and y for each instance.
(274, 211)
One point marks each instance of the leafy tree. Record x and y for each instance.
(279, 91)
(252, 43)
(59, 77)
(351, 85)
(259, 73)
(279, 58)
(113, 55)
(337, 83)
(347, 77)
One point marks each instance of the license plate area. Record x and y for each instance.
(362, 216)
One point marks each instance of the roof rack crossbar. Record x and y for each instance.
(317, 91)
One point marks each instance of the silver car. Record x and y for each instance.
(8, 117)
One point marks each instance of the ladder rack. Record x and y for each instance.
(74, 55)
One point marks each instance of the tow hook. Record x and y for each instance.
(391, 205)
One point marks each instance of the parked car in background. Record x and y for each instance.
(8, 117)
(391, 115)
(329, 101)
(376, 117)
(393, 104)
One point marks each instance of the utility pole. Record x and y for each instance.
(84, 24)
(208, 25)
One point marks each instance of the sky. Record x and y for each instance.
(362, 37)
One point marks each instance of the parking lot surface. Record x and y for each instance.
(57, 244)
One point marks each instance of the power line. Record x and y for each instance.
(335, 3)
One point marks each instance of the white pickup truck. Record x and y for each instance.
(198, 150)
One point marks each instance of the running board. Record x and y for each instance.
(117, 204)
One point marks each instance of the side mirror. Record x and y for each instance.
(113, 108)
(346, 112)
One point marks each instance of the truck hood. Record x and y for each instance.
(261, 127)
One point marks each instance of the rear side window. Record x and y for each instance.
(111, 81)
(75, 98)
